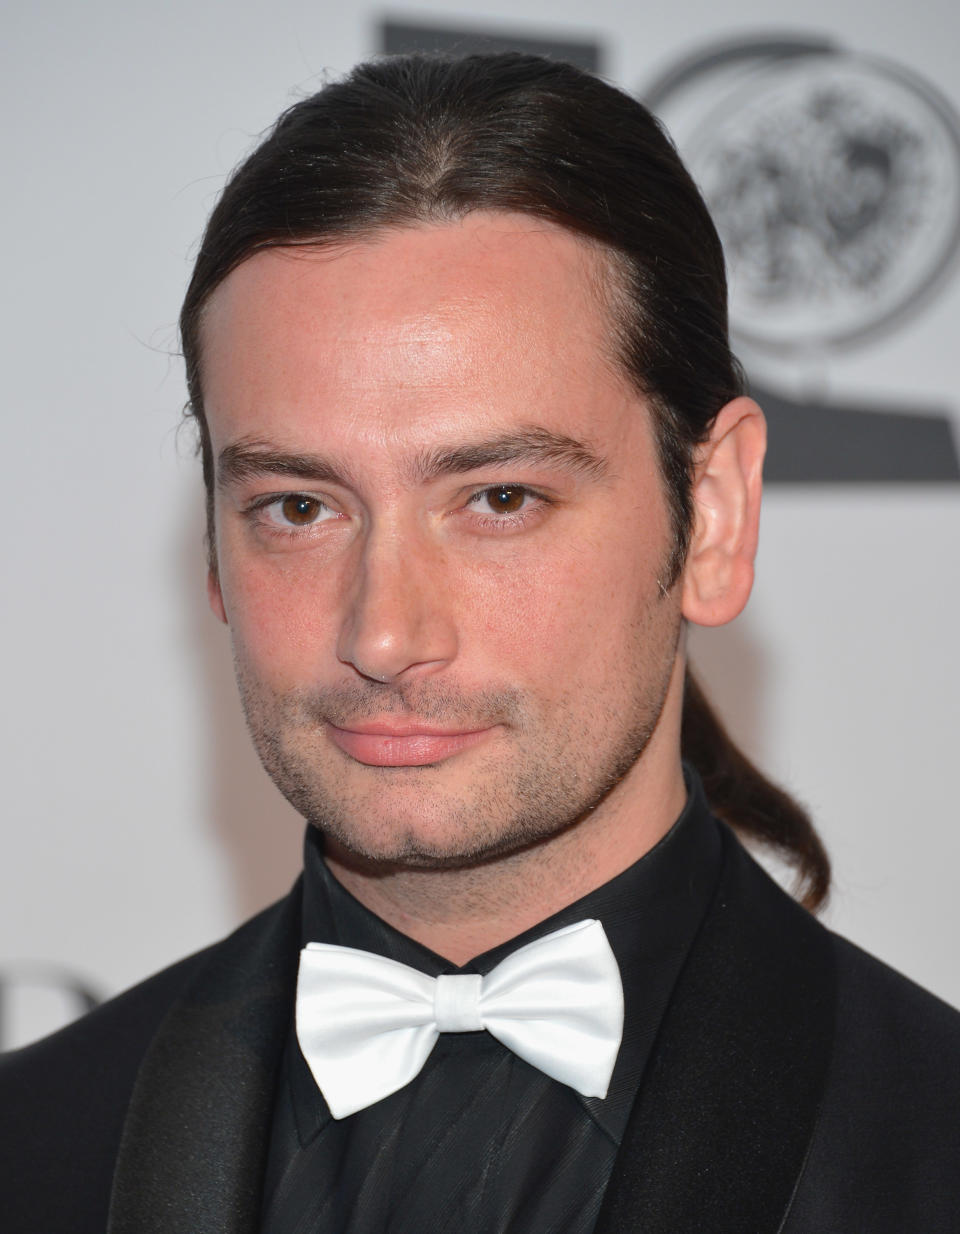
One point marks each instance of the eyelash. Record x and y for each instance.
(507, 521)
(258, 511)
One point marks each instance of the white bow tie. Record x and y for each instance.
(366, 1025)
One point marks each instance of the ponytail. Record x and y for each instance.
(748, 802)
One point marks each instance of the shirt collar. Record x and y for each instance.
(650, 912)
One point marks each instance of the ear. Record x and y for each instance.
(718, 573)
(215, 595)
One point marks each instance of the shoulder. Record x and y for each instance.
(100, 1050)
(883, 1020)
(897, 1044)
(884, 1156)
(63, 1099)
(886, 1010)
(896, 1057)
(875, 1002)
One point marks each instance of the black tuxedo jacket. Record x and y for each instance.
(797, 1087)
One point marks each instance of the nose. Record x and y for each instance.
(398, 620)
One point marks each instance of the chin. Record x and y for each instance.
(403, 844)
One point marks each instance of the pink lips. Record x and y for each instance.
(401, 744)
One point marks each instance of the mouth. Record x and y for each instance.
(402, 743)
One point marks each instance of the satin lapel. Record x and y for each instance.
(719, 1134)
(192, 1154)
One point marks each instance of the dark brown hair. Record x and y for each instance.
(413, 139)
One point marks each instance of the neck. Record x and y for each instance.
(461, 913)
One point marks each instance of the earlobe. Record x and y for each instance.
(215, 595)
(718, 574)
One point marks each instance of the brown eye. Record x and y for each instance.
(300, 510)
(505, 500)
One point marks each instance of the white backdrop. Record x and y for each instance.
(137, 824)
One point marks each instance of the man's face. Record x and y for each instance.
(440, 528)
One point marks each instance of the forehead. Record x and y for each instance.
(489, 317)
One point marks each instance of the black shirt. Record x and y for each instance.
(481, 1140)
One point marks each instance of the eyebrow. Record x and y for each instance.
(249, 458)
(527, 445)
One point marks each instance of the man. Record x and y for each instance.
(475, 452)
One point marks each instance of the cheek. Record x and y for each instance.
(556, 611)
(279, 617)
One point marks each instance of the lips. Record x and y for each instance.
(385, 744)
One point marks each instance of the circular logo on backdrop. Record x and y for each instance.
(834, 181)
